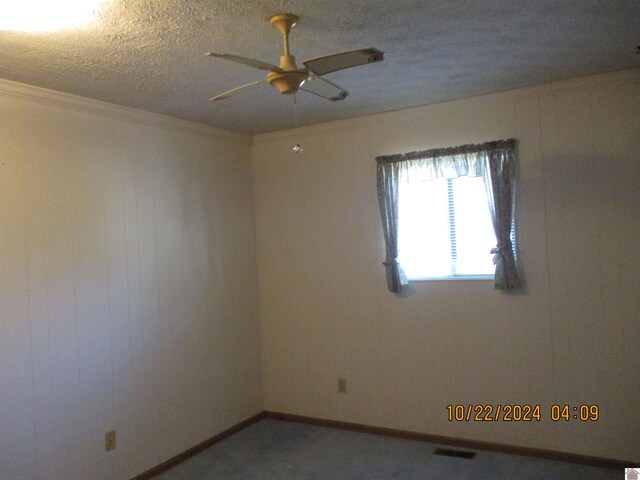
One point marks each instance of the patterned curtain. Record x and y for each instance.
(388, 183)
(501, 198)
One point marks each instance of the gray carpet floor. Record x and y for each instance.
(273, 449)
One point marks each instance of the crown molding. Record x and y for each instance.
(20, 91)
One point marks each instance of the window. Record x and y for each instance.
(445, 229)
(445, 211)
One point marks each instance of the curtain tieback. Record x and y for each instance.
(497, 253)
(388, 263)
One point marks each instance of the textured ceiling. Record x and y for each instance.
(149, 54)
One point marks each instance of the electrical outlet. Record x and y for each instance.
(110, 440)
(342, 385)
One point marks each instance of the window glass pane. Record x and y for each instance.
(445, 232)
(423, 229)
(474, 236)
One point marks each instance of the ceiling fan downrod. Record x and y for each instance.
(288, 80)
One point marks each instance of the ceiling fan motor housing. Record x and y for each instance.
(289, 80)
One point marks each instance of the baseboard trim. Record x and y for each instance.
(443, 440)
(181, 457)
(388, 432)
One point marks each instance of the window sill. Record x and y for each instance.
(448, 279)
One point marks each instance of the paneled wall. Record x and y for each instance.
(128, 292)
(572, 337)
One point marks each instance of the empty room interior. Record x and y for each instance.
(319, 239)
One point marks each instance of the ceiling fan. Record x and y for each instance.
(288, 78)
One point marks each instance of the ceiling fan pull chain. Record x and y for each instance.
(296, 148)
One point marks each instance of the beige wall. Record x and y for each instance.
(571, 338)
(128, 293)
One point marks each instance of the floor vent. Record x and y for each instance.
(447, 452)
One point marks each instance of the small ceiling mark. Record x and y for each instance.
(449, 452)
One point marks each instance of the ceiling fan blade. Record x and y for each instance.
(324, 88)
(233, 91)
(339, 61)
(246, 61)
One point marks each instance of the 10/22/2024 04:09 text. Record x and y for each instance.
(522, 413)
